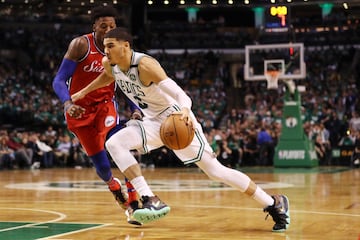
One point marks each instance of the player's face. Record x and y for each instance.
(115, 50)
(102, 26)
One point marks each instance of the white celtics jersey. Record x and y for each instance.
(149, 99)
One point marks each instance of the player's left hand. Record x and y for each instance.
(137, 115)
(185, 115)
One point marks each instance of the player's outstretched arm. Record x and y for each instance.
(150, 71)
(104, 79)
(76, 50)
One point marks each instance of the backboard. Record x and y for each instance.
(288, 58)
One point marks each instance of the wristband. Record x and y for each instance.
(67, 105)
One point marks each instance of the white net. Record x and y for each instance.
(272, 78)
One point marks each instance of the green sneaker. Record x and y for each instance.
(130, 213)
(152, 209)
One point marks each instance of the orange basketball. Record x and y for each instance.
(175, 133)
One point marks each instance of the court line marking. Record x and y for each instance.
(61, 217)
(156, 185)
(257, 209)
(76, 231)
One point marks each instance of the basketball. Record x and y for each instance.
(175, 133)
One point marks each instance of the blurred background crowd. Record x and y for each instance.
(241, 119)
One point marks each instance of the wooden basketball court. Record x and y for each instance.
(74, 204)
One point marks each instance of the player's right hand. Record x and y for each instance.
(185, 115)
(74, 111)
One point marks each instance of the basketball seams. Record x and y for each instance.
(190, 135)
(175, 133)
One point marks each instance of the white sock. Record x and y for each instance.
(141, 186)
(262, 197)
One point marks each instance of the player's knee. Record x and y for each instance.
(115, 129)
(111, 144)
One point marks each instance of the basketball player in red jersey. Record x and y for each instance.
(94, 117)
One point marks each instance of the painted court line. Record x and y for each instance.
(156, 185)
(257, 209)
(72, 232)
(61, 217)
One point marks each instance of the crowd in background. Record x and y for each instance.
(245, 133)
(32, 150)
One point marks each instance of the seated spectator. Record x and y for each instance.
(348, 139)
(44, 151)
(62, 151)
(224, 153)
(250, 150)
(7, 157)
(50, 132)
(320, 150)
(215, 144)
(320, 136)
(266, 147)
(23, 158)
(78, 155)
(235, 145)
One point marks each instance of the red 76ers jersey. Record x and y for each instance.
(88, 68)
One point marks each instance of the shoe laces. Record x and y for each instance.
(145, 199)
(277, 217)
(149, 200)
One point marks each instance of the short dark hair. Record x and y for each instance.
(103, 11)
(120, 33)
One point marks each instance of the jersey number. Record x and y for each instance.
(141, 104)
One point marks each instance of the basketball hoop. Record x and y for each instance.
(272, 78)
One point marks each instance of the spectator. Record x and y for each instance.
(45, 152)
(348, 139)
(7, 157)
(50, 132)
(62, 151)
(78, 155)
(354, 122)
(251, 151)
(335, 127)
(23, 157)
(266, 147)
(225, 153)
(236, 150)
(320, 150)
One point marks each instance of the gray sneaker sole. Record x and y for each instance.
(146, 215)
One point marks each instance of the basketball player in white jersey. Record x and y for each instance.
(144, 81)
